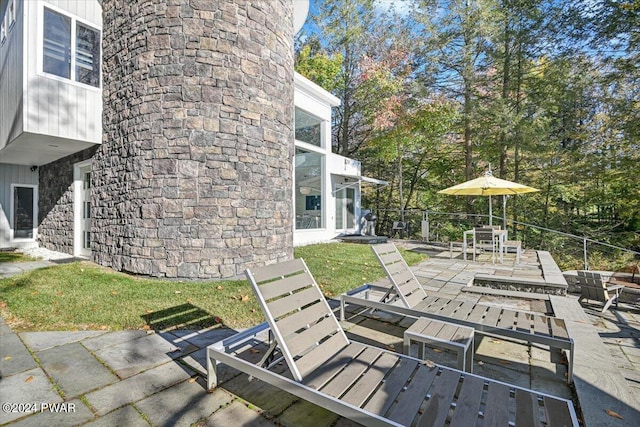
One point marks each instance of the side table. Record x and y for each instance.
(442, 334)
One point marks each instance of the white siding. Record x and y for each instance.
(55, 106)
(11, 174)
(11, 73)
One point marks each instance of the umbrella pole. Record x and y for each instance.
(504, 211)
(490, 212)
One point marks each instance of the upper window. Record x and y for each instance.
(308, 128)
(57, 44)
(7, 22)
(71, 49)
(11, 14)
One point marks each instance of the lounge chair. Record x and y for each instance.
(406, 296)
(366, 384)
(594, 287)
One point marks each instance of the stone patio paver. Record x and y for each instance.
(183, 404)
(258, 393)
(26, 387)
(137, 388)
(68, 366)
(112, 338)
(302, 412)
(66, 414)
(240, 415)
(134, 356)
(38, 341)
(126, 416)
(14, 356)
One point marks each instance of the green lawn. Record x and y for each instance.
(15, 257)
(81, 295)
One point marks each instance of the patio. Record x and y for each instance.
(141, 378)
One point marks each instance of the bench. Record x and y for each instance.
(513, 244)
(520, 284)
(505, 293)
(550, 270)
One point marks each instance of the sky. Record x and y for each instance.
(400, 5)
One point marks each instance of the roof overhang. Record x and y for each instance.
(34, 149)
(359, 179)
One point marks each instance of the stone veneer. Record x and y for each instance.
(55, 202)
(194, 175)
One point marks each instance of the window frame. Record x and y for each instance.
(321, 124)
(12, 202)
(74, 40)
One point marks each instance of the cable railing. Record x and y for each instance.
(569, 250)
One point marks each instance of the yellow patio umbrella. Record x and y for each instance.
(489, 185)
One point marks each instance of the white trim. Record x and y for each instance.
(313, 90)
(78, 206)
(40, 44)
(35, 213)
(365, 179)
(310, 147)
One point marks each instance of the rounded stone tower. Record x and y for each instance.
(194, 175)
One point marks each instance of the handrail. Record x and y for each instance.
(585, 240)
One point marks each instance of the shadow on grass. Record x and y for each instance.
(184, 316)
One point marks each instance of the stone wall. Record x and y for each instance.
(55, 202)
(194, 176)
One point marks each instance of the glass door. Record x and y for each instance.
(85, 222)
(345, 209)
(24, 221)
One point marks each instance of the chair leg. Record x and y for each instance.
(608, 304)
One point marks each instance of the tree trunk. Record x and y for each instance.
(506, 68)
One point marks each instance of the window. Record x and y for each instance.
(87, 55)
(57, 44)
(71, 49)
(23, 215)
(7, 22)
(11, 14)
(308, 189)
(308, 128)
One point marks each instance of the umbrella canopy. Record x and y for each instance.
(489, 185)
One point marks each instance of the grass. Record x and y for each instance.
(83, 296)
(15, 257)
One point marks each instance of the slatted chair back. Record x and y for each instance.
(300, 318)
(484, 236)
(591, 287)
(597, 285)
(404, 281)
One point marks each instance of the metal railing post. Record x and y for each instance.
(584, 250)
(425, 226)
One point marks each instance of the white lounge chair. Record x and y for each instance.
(366, 384)
(406, 296)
